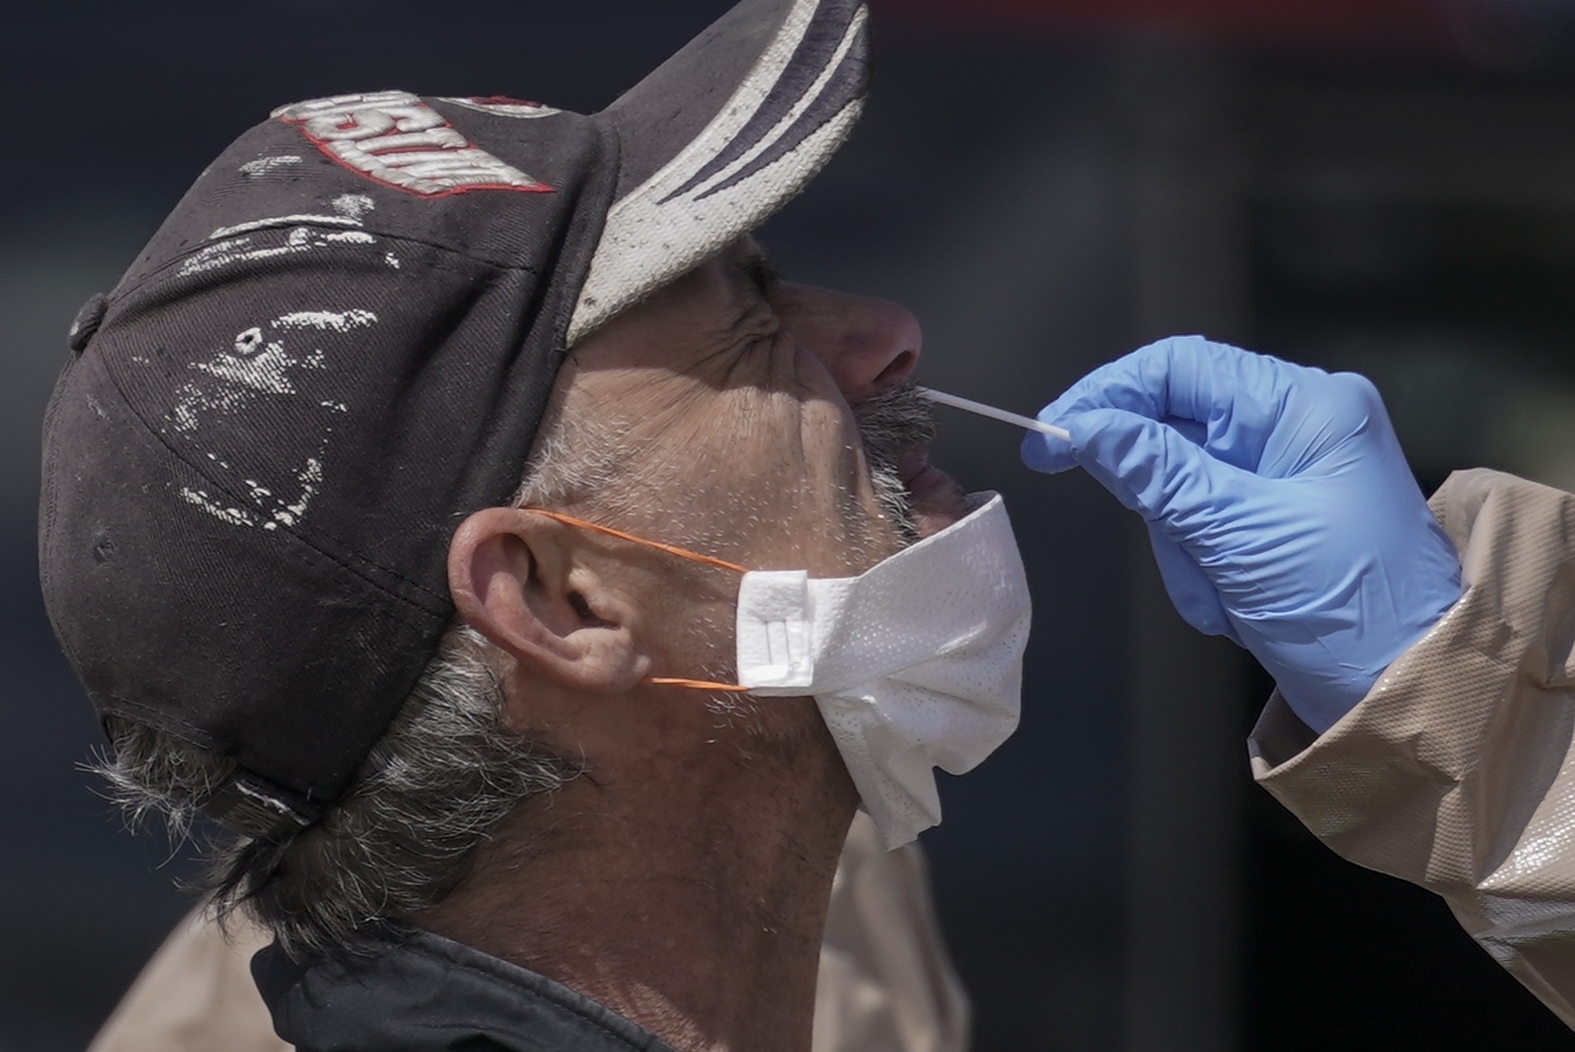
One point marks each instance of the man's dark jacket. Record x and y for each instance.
(418, 992)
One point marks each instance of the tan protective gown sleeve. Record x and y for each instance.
(195, 995)
(886, 984)
(1457, 771)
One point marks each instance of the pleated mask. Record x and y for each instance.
(915, 663)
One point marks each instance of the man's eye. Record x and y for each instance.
(763, 274)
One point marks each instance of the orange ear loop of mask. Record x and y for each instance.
(684, 553)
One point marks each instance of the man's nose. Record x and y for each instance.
(868, 345)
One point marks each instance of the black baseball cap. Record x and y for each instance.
(341, 343)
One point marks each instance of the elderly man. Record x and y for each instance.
(546, 752)
(561, 751)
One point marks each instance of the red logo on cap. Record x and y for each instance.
(394, 138)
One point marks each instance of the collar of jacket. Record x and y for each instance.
(419, 992)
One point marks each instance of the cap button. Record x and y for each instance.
(87, 321)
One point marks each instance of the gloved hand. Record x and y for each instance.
(1279, 506)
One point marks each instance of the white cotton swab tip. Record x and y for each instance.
(968, 404)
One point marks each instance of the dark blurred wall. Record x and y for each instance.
(1045, 198)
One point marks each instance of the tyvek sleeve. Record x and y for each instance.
(886, 983)
(1457, 770)
(195, 995)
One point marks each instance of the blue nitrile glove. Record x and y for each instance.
(1279, 505)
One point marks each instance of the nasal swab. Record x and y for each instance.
(995, 414)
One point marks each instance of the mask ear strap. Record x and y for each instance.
(683, 553)
(670, 549)
(693, 684)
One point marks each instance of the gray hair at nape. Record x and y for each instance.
(444, 774)
(441, 778)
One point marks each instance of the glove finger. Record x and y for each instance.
(1247, 400)
(1191, 430)
(1191, 592)
(1051, 455)
(1154, 470)
(1157, 380)
(1238, 395)
(1047, 454)
(1136, 382)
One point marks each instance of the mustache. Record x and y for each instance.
(894, 421)
(891, 424)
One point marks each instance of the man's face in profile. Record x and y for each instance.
(754, 420)
(736, 400)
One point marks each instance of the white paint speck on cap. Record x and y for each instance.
(263, 165)
(266, 372)
(337, 321)
(310, 477)
(232, 516)
(353, 206)
(293, 220)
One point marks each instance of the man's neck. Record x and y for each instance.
(686, 892)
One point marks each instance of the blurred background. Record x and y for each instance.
(1379, 185)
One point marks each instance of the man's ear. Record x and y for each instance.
(522, 580)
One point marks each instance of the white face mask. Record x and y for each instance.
(916, 663)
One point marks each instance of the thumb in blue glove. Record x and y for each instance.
(1279, 505)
